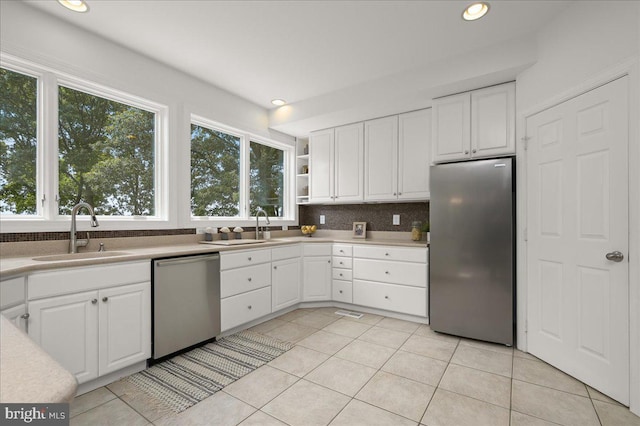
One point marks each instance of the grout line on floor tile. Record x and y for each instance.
(531, 415)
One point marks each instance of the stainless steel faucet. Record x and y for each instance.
(74, 242)
(258, 211)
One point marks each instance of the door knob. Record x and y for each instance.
(25, 316)
(104, 299)
(615, 256)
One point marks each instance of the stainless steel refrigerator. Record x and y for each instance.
(472, 249)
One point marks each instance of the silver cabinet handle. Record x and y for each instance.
(474, 151)
(466, 151)
(104, 299)
(249, 279)
(342, 263)
(341, 251)
(386, 272)
(394, 193)
(328, 261)
(94, 301)
(249, 306)
(340, 274)
(386, 254)
(275, 267)
(386, 297)
(399, 193)
(249, 259)
(25, 316)
(615, 256)
(340, 291)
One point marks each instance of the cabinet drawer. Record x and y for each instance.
(241, 280)
(342, 262)
(406, 273)
(342, 274)
(286, 252)
(236, 310)
(342, 291)
(317, 249)
(342, 250)
(396, 298)
(74, 280)
(243, 258)
(405, 254)
(11, 292)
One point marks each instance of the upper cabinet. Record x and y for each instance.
(397, 151)
(474, 124)
(336, 160)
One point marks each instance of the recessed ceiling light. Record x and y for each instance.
(475, 11)
(278, 102)
(75, 5)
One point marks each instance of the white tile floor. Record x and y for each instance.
(374, 371)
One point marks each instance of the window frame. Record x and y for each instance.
(290, 214)
(47, 217)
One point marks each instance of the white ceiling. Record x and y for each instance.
(306, 51)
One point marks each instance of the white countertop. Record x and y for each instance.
(10, 266)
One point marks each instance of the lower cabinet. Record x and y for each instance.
(96, 332)
(17, 315)
(391, 297)
(285, 283)
(245, 307)
(317, 278)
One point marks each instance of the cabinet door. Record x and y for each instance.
(321, 172)
(285, 283)
(451, 133)
(349, 163)
(125, 326)
(17, 316)
(66, 327)
(381, 159)
(414, 155)
(493, 121)
(316, 278)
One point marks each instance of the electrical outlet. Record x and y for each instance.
(285, 227)
(396, 219)
(321, 219)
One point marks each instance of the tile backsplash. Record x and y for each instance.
(379, 217)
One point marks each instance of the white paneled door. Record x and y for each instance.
(578, 237)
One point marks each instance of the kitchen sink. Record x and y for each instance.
(78, 256)
(234, 242)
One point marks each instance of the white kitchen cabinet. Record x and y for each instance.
(242, 308)
(321, 166)
(285, 279)
(66, 327)
(397, 157)
(17, 315)
(94, 333)
(391, 278)
(381, 159)
(124, 324)
(474, 124)
(316, 272)
(97, 331)
(414, 155)
(336, 162)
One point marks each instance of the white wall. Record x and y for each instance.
(32, 35)
(580, 48)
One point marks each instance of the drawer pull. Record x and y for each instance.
(341, 251)
(386, 297)
(386, 272)
(94, 301)
(275, 267)
(249, 306)
(249, 259)
(104, 299)
(340, 274)
(340, 291)
(25, 316)
(386, 254)
(249, 279)
(328, 261)
(341, 263)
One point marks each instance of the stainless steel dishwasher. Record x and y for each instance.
(186, 302)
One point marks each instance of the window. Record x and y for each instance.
(64, 140)
(232, 174)
(106, 155)
(266, 182)
(18, 143)
(215, 173)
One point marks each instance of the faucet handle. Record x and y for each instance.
(101, 248)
